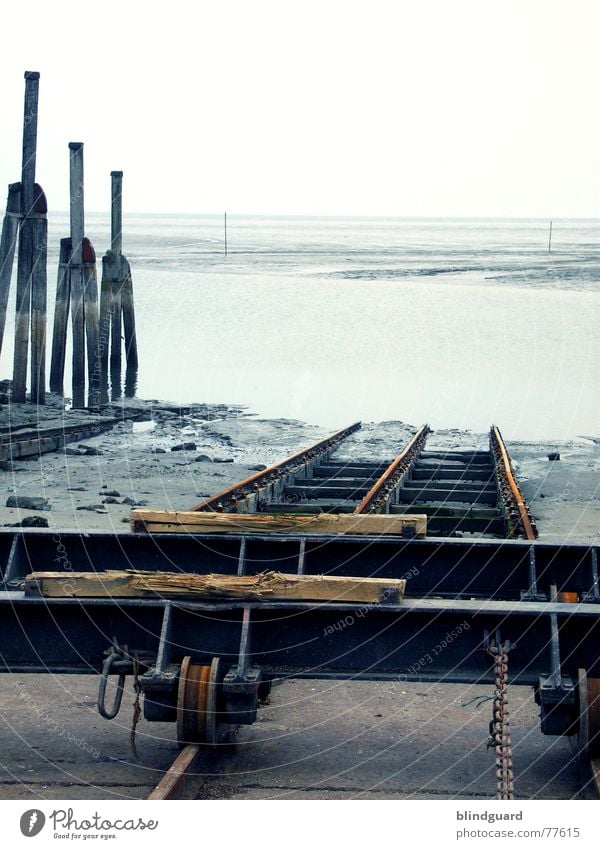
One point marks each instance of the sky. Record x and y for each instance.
(433, 108)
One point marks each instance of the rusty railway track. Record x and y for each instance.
(244, 496)
(460, 491)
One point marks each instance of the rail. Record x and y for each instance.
(229, 499)
(517, 511)
(382, 490)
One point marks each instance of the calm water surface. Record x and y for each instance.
(457, 323)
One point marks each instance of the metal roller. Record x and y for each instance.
(198, 702)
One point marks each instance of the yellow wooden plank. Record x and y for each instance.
(174, 521)
(265, 586)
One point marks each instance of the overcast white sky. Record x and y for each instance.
(438, 107)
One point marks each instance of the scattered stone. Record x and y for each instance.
(203, 458)
(74, 452)
(25, 502)
(90, 451)
(184, 446)
(92, 507)
(129, 500)
(160, 450)
(112, 492)
(554, 456)
(223, 460)
(76, 489)
(258, 468)
(110, 500)
(33, 522)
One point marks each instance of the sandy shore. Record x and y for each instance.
(94, 484)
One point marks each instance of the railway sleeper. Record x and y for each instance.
(452, 485)
(341, 492)
(419, 473)
(408, 495)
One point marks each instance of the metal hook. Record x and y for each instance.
(116, 706)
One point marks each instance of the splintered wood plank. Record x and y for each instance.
(174, 521)
(266, 586)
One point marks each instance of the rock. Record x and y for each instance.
(159, 450)
(25, 502)
(203, 458)
(34, 522)
(184, 446)
(74, 452)
(257, 468)
(223, 460)
(128, 500)
(90, 451)
(110, 500)
(76, 489)
(133, 503)
(111, 492)
(554, 456)
(91, 507)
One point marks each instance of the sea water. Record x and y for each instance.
(458, 323)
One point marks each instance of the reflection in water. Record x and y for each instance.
(131, 380)
(114, 390)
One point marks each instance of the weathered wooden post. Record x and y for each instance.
(116, 246)
(117, 314)
(76, 271)
(39, 287)
(26, 246)
(131, 353)
(61, 319)
(90, 303)
(8, 242)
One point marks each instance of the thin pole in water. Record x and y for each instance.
(225, 224)
(550, 239)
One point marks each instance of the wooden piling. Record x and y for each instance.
(116, 246)
(115, 321)
(26, 246)
(32, 83)
(8, 242)
(76, 271)
(116, 212)
(90, 304)
(39, 298)
(21, 348)
(117, 315)
(105, 311)
(131, 353)
(61, 318)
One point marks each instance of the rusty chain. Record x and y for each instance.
(500, 723)
(137, 711)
